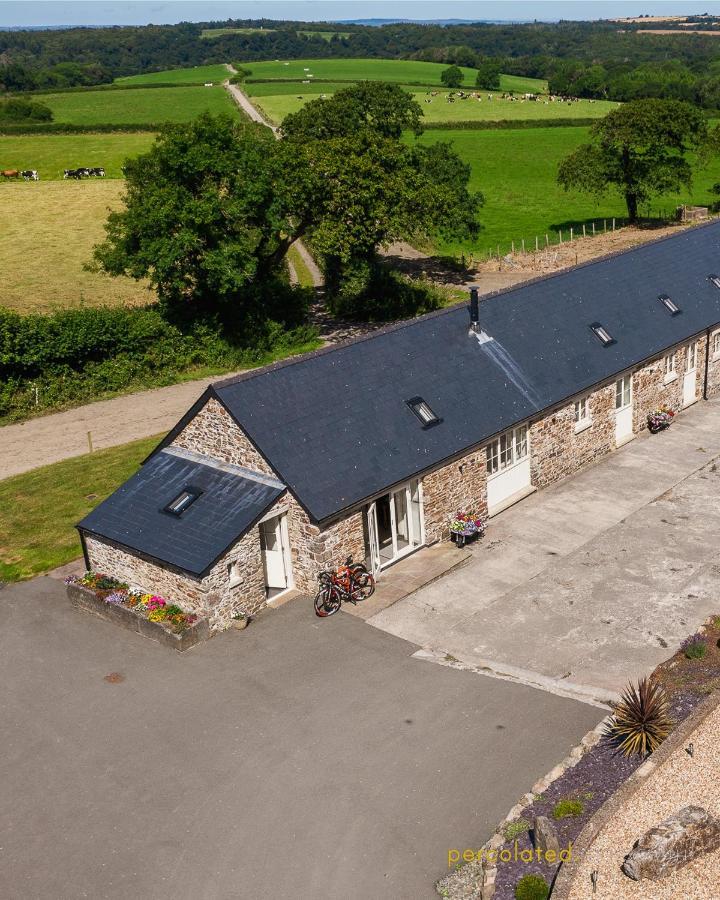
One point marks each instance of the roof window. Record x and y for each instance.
(669, 305)
(423, 412)
(602, 334)
(183, 501)
(715, 280)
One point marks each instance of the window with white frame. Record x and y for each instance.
(582, 414)
(510, 448)
(716, 343)
(691, 357)
(623, 392)
(670, 373)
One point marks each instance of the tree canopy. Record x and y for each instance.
(639, 150)
(212, 209)
(488, 74)
(452, 77)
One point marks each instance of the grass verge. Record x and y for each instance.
(39, 509)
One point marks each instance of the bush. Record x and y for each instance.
(641, 719)
(515, 828)
(564, 809)
(23, 111)
(694, 647)
(532, 887)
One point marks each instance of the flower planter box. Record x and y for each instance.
(461, 538)
(86, 599)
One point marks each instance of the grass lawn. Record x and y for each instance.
(397, 70)
(193, 75)
(516, 170)
(51, 154)
(137, 107)
(49, 231)
(38, 510)
(278, 99)
(304, 275)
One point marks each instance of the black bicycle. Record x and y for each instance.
(350, 583)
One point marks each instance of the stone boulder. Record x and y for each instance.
(672, 844)
(545, 835)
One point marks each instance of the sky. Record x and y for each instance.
(143, 12)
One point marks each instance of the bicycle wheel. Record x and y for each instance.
(365, 585)
(327, 602)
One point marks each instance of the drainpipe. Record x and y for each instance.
(707, 361)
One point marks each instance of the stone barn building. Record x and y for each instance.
(369, 448)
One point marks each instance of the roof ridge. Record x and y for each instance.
(454, 307)
(222, 466)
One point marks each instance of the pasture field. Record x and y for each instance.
(325, 35)
(209, 33)
(51, 154)
(516, 170)
(400, 71)
(276, 102)
(192, 75)
(137, 107)
(49, 229)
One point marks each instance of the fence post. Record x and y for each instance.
(613, 223)
(561, 235)
(584, 235)
(593, 229)
(513, 247)
(605, 225)
(89, 437)
(547, 241)
(537, 246)
(571, 234)
(523, 245)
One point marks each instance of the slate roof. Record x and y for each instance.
(335, 425)
(232, 500)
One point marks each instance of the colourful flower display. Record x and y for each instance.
(467, 523)
(661, 418)
(155, 608)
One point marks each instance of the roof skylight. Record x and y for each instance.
(183, 500)
(602, 334)
(423, 411)
(715, 280)
(669, 305)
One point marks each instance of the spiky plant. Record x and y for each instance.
(641, 718)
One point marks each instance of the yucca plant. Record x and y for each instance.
(641, 718)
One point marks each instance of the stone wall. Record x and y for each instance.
(651, 392)
(713, 386)
(215, 433)
(461, 485)
(557, 450)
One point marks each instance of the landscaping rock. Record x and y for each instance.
(545, 835)
(672, 844)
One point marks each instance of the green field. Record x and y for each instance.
(39, 510)
(400, 71)
(276, 102)
(325, 35)
(50, 154)
(209, 33)
(515, 170)
(193, 75)
(137, 107)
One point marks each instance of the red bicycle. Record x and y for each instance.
(351, 583)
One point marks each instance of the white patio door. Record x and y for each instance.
(273, 543)
(508, 468)
(394, 525)
(690, 376)
(623, 409)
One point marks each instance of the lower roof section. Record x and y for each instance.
(217, 504)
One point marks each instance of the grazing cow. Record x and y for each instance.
(73, 173)
(97, 172)
(11, 173)
(30, 175)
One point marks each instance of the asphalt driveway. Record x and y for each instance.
(298, 759)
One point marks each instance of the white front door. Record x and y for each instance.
(690, 376)
(623, 410)
(508, 468)
(273, 542)
(394, 525)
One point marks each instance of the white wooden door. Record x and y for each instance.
(373, 539)
(508, 467)
(271, 542)
(623, 409)
(690, 376)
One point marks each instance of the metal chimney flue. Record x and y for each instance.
(474, 310)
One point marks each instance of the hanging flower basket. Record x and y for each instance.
(466, 527)
(660, 419)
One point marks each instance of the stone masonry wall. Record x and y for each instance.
(651, 392)
(713, 387)
(557, 451)
(214, 433)
(461, 485)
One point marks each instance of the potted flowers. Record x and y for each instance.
(660, 419)
(466, 526)
(240, 621)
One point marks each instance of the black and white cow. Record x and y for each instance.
(97, 172)
(30, 175)
(73, 173)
